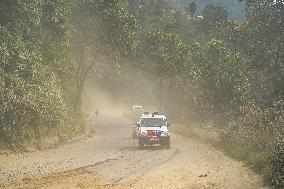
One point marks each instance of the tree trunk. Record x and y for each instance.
(81, 76)
(78, 99)
(161, 92)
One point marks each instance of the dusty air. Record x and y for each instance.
(138, 94)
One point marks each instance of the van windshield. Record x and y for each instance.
(153, 122)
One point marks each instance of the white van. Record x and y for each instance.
(152, 129)
(138, 108)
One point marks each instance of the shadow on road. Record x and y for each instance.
(146, 148)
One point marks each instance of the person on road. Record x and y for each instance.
(97, 113)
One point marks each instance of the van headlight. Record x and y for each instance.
(143, 134)
(165, 133)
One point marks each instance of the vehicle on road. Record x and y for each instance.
(138, 108)
(135, 131)
(151, 129)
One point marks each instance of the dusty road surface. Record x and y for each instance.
(113, 160)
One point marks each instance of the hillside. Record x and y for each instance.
(235, 8)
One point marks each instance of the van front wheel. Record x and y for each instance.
(168, 144)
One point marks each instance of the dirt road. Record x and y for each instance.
(113, 160)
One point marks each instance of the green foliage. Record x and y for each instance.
(276, 174)
(28, 100)
(35, 94)
(212, 81)
(169, 17)
(29, 11)
(235, 9)
(214, 69)
(38, 73)
(257, 138)
(222, 79)
(208, 76)
(54, 35)
(192, 7)
(104, 32)
(168, 51)
(230, 32)
(260, 40)
(116, 26)
(212, 15)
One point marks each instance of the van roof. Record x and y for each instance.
(151, 116)
(137, 106)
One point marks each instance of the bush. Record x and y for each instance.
(276, 174)
(257, 138)
(30, 98)
(74, 126)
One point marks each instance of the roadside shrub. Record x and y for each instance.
(258, 137)
(276, 175)
(73, 127)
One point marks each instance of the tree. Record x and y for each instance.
(168, 53)
(214, 14)
(231, 33)
(212, 81)
(34, 40)
(104, 31)
(192, 7)
(30, 103)
(259, 38)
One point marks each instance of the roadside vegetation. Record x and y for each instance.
(47, 50)
(189, 58)
(224, 75)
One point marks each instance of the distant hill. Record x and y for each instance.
(234, 7)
